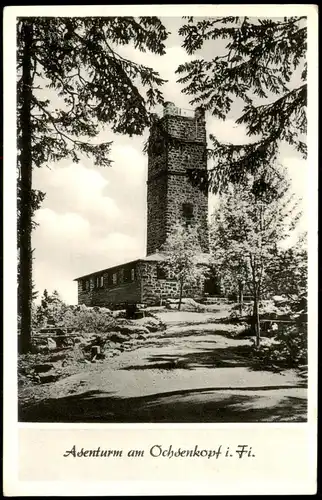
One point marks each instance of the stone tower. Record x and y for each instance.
(177, 144)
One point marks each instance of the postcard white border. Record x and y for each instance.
(214, 485)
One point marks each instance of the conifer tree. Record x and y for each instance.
(71, 81)
(262, 67)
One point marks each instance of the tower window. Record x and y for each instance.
(187, 210)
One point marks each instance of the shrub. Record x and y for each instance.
(79, 318)
(88, 319)
(289, 352)
(267, 308)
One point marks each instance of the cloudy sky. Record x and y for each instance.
(93, 217)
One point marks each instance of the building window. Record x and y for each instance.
(121, 276)
(102, 281)
(114, 279)
(87, 285)
(128, 275)
(161, 274)
(83, 284)
(187, 210)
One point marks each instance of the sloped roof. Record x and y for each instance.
(202, 258)
(151, 258)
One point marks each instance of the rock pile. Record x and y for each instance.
(52, 360)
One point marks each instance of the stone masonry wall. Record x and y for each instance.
(169, 186)
(187, 129)
(154, 289)
(157, 205)
(180, 191)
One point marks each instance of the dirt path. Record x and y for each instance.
(189, 373)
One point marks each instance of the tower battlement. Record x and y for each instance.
(169, 108)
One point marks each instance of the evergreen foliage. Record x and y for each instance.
(71, 81)
(263, 68)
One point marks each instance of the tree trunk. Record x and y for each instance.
(180, 296)
(256, 322)
(241, 298)
(24, 225)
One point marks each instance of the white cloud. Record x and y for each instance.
(69, 225)
(228, 131)
(129, 164)
(78, 189)
(66, 247)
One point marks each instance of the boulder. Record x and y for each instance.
(115, 353)
(43, 367)
(78, 340)
(279, 300)
(111, 345)
(186, 305)
(105, 310)
(264, 342)
(57, 357)
(118, 338)
(40, 348)
(51, 344)
(119, 314)
(151, 323)
(141, 337)
(98, 340)
(48, 377)
(133, 328)
(123, 321)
